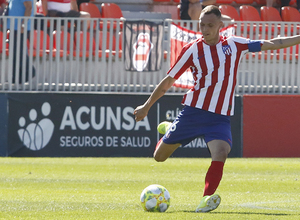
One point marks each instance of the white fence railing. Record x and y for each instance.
(69, 58)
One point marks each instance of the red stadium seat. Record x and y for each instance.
(230, 11)
(244, 2)
(3, 38)
(84, 47)
(38, 50)
(261, 2)
(290, 14)
(249, 13)
(90, 8)
(293, 3)
(106, 47)
(93, 10)
(269, 14)
(1, 41)
(101, 36)
(289, 56)
(111, 10)
(68, 41)
(222, 2)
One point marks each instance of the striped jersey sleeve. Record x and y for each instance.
(214, 70)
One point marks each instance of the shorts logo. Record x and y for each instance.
(226, 49)
(36, 135)
(171, 129)
(142, 49)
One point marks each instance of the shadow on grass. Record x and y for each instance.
(244, 213)
(253, 213)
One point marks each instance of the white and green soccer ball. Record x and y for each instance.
(155, 198)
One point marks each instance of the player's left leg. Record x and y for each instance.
(219, 150)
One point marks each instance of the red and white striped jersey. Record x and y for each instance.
(214, 69)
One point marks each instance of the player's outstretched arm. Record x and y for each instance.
(142, 111)
(280, 42)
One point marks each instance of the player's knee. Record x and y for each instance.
(158, 157)
(220, 155)
(223, 152)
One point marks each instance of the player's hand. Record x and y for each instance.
(140, 112)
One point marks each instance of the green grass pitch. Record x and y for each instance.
(110, 188)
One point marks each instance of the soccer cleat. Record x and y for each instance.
(163, 127)
(209, 203)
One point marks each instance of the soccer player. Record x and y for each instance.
(214, 61)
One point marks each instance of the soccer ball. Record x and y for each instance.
(155, 198)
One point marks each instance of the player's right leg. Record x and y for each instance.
(163, 151)
(174, 136)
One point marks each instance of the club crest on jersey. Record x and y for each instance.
(142, 48)
(226, 49)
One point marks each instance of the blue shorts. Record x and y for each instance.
(193, 122)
